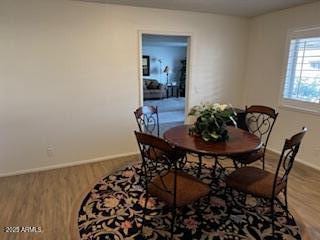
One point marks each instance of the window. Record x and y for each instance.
(302, 80)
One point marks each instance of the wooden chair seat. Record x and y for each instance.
(163, 178)
(254, 181)
(188, 188)
(264, 184)
(249, 158)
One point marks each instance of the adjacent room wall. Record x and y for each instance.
(169, 56)
(69, 75)
(265, 63)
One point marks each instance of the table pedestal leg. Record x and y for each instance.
(215, 166)
(215, 163)
(200, 166)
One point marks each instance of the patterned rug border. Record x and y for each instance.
(73, 219)
(303, 229)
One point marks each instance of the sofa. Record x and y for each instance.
(152, 89)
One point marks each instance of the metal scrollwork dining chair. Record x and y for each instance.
(259, 121)
(163, 177)
(148, 119)
(264, 184)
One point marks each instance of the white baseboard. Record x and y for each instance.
(297, 159)
(69, 164)
(100, 159)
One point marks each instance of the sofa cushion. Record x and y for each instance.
(152, 84)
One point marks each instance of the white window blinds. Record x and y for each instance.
(302, 81)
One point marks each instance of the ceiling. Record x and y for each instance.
(244, 8)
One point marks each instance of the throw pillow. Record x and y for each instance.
(153, 85)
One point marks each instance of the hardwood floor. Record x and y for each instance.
(47, 199)
(304, 197)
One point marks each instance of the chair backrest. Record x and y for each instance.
(157, 154)
(289, 152)
(259, 121)
(148, 119)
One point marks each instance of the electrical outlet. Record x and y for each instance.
(50, 151)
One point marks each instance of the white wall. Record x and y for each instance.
(170, 56)
(264, 74)
(69, 75)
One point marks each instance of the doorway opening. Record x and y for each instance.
(164, 76)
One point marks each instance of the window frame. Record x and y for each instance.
(296, 104)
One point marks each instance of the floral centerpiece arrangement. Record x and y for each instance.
(211, 121)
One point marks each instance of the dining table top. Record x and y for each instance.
(239, 142)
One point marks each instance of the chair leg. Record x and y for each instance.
(286, 201)
(230, 190)
(144, 211)
(244, 200)
(145, 203)
(173, 222)
(226, 190)
(272, 218)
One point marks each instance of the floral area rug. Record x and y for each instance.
(113, 209)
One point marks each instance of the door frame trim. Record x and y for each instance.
(188, 65)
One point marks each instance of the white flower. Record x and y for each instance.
(216, 106)
(223, 107)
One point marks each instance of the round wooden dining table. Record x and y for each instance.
(239, 142)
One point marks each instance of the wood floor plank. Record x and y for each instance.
(47, 199)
